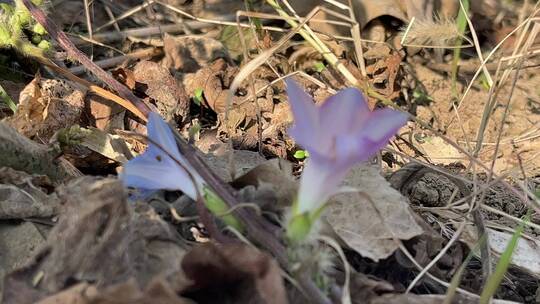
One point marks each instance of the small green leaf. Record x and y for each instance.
(7, 100)
(319, 66)
(421, 96)
(495, 279)
(484, 82)
(198, 96)
(301, 154)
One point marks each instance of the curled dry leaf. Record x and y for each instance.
(188, 54)
(233, 273)
(46, 106)
(99, 238)
(168, 94)
(111, 146)
(214, 79)
(383, 73)
(367, 230)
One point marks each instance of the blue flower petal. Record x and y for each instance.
(306, 117)
(158, 167)
(160, 133)
(344, 111)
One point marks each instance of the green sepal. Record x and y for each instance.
(218, 207)
(299, 227)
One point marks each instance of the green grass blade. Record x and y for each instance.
(496, 278)
(7, 100)
(461, 25)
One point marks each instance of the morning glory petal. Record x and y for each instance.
(352, 149)
(345, 107)
(319, 181)
(306, 117)
(161, 166)
(160, 133)
(146, 172)
(382, 124)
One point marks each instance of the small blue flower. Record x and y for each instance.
(158, 167)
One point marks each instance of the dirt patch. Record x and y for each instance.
(520, 132)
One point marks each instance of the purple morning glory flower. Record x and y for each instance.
(156, 169)
(340, 133)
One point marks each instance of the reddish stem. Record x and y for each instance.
(72, 51)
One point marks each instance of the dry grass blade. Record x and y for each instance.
(127, 14)
(308, 34)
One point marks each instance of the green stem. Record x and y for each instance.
(218, 207)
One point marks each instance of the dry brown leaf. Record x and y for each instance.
(46, 106)
(214, 79)
(188, 54)
(367, 230)
(233, 273)
(270, 185)
(104, 114)
(99, 238)
(158, 291)
(111, 146)
(168, 94)
(383, 74)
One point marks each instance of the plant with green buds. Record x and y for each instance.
(14, 20)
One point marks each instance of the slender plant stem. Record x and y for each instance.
(61, 38)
